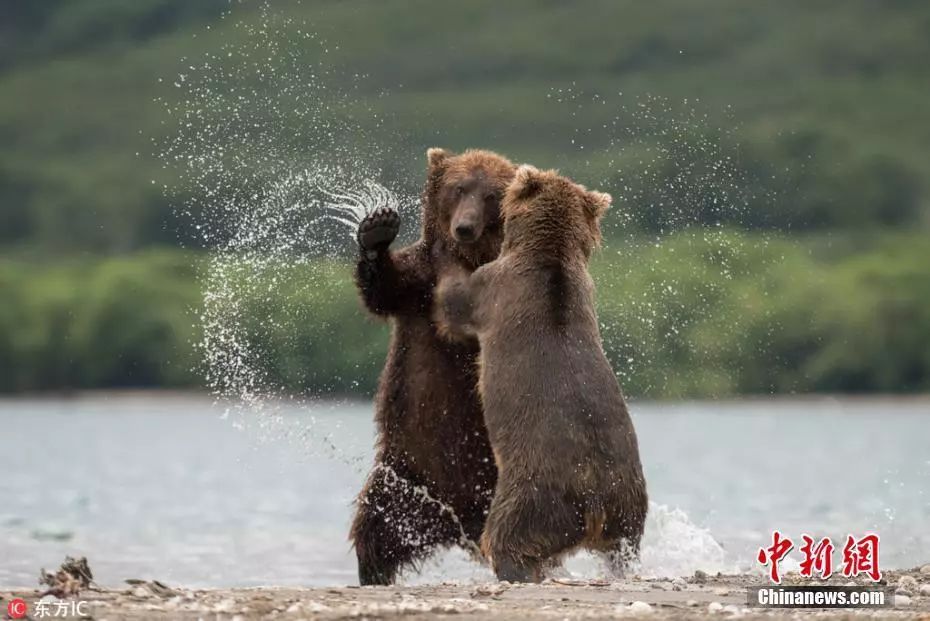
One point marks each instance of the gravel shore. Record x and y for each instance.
(695, 597)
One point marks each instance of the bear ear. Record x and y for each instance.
(526, 181)
(597, 203)
(436, 157)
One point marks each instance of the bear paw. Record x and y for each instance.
(378, 230)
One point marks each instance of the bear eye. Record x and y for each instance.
(459, 190)
(492, 198)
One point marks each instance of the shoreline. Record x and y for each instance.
(180, 394)
(696, 597)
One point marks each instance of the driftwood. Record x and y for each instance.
(72, 577)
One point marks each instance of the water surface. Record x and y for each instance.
(167, 488)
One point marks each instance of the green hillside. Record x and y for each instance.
(783, 318)
(799, 129)
(830, 98)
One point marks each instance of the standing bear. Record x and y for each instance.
(434, 471)
(569, 473)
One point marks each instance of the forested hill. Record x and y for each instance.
(795, 133)
(832, 96)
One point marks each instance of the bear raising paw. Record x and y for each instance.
(377, 231)
(431, 433)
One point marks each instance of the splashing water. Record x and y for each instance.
(672, 546)
(683, 188)
(269, 154)
(273, 166)
(351, 206)
(421, 492)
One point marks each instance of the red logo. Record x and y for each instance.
(780, 547)
(817, 558)
(860, 556)
(17, 609)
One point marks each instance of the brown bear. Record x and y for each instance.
(434, 471)
(569, 473)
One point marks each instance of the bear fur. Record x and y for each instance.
(569, 473)
(434, 471)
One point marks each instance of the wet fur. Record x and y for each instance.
(556, 292)
(427, 411)
(568, 459)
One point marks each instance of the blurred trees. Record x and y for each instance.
(824, 102)
(32, 31)
(792, 200)
(93, 323)
(704, 314)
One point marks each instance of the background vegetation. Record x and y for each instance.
(823, 106)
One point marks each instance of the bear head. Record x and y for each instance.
(462, 202)
(551, 215)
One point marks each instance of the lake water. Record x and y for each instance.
(168, 488)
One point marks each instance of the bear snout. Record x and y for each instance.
(467, 225)
(465, 232)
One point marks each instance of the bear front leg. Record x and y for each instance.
(390, 283)
(376, 232)
(455, 305)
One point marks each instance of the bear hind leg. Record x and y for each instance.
(381, 550)
(621, 557)
(513, 570)
(623, 551)
(528, 530)
(394, 527)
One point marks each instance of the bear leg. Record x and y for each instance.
(376, 232)
(623, 549)
(623, 532)
(513, 570)
(621, 558)
(395, 527)
(529, 527)
(382, 551)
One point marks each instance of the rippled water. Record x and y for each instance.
(167, 488)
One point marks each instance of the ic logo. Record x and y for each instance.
(17, 608)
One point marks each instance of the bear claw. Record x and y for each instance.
(378, 229)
